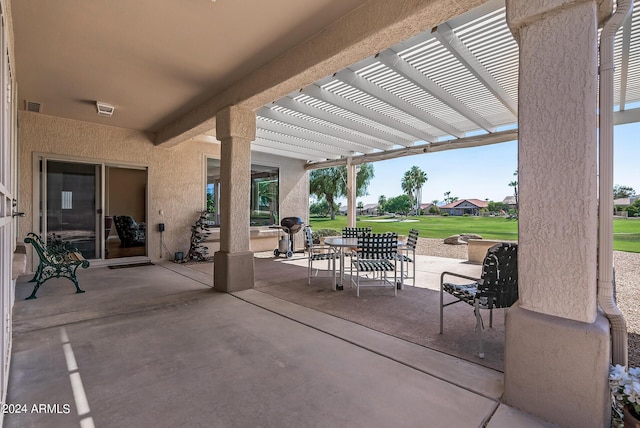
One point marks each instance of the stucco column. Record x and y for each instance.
(557, 344)
(351, 193)
(233, 264)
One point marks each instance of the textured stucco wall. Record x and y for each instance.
(557, 167)
(176, 175)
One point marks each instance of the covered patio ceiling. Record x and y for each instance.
(454, 86)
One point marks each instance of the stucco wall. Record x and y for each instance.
(176, 175)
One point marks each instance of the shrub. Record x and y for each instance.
(321, 233)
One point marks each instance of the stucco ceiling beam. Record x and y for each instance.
(348, 139)
(373, 27)
(461, 143)
(399, 65)
(448, 38)
(349, 77)
(367, 131)
(388, 121)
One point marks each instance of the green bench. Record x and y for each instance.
(57, 260)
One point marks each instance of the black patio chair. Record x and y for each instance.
(377, 253)
(407, 254)
(497, 287)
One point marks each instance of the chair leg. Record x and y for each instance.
(441, 306)
(414, 269)
(491, 318)
(395, 282)
(479, 328)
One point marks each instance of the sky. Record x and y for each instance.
(485, 172)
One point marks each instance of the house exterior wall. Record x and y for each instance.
(176, 175)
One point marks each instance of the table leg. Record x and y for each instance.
(341, 285)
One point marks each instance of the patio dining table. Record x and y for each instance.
(341, 244)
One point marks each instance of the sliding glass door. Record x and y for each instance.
(97, 208)
(71, 204)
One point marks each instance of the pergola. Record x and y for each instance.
(465, 82)
(451, 87)
(454, 86)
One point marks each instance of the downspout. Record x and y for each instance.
(606, 298)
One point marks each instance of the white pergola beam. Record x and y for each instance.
(482, 140)
(447, 37)
(327, 150)
(339, 146)
(624, 66)
(344, 103)
(348, 138)
(351, 78)
(289, 150)
(344, 122)
(365, 135)
(399, 65)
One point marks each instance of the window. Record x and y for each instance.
(264, 194)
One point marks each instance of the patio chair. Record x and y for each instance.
(131, 234)
(496, 288)
(319, 253)
(355, 232)
(376, 253)
(407, 254)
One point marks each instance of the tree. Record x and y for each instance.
(412, 183)
(320, 208)
(399, 205)
(360, 207)
(623, 192)
(382, 203)
(495, 207)
(331, 183)
(514, 184)
(448, 199)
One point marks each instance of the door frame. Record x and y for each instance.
(100, 200)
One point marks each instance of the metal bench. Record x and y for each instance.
(56, 261)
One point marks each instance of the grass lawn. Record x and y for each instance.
(626, 231)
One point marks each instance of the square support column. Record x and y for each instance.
(557, 346)
(234, 264)
(352, 172)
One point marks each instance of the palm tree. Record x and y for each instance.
(514, 184)
(412, 182)
(331, 183)
(408, 186)
(419, 178)
(382, 201)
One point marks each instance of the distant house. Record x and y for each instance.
(510, 201)
(369, 209)
(464, 206)
(624, 202)
(425, 207)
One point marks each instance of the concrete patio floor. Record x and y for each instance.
(155, 346)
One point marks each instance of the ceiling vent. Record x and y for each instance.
(32, 106)
(104, 109)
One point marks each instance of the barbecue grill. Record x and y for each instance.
(290, 226)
